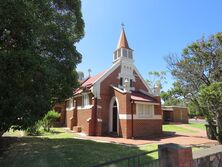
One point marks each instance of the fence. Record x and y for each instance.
(210, 157)
(171, 155)
(139, 160)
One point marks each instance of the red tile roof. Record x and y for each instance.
(138, 96)
(88, 82)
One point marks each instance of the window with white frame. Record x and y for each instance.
(130, 54)
(124, 53)
(69, 103)
(85, 100)
(145, 110)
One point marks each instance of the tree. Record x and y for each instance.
(210, 98)
(178, 96)
(156, 78)
(49, 120)
(173, 96)
(170, 97)
(199, 65)
(37, 57)
(80, 75)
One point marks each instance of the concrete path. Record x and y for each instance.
(178, 139)
(198, 138)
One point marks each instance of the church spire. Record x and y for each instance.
(123, 43)
(123, 50)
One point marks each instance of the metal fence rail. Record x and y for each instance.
(139, 160)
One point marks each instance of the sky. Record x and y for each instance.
(154, 29)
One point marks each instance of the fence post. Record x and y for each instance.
(174, 155)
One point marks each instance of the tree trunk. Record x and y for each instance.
(211, 123)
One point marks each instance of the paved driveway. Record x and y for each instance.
(197, 121)
(198, 138)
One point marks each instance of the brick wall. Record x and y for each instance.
(177, 115)
(83, 116)
(69, 115)
(138, 84)
(107, 93)
(125, 126)
(147, 128)
(125, 129)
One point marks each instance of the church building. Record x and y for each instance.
(116, 101)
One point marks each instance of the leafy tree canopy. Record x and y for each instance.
(210, 98)
(174, 96)
(200, 65)
(37, 57)
(156, 78)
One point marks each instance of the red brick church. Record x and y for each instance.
(116, 101)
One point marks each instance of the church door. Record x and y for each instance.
(114, 117)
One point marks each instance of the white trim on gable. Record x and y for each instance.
(96, 86)
(144, 82)
(119, 90)
(95, 89)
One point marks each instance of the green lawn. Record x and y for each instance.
(175, 128)
(61, 149)
(198, 125)
(54, 133)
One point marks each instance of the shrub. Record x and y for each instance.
(34, 130)
(49, 120)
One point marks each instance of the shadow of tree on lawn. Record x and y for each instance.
(39, 151)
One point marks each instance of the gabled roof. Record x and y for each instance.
(89, 82)
(138, 96)
(123, 43)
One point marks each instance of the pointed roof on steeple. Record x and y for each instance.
(123, 43)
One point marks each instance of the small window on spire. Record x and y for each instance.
(115, 55)
(130, 54)
(118, 53)
(124, 53)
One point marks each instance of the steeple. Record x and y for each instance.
(123, 50)
(123, 43)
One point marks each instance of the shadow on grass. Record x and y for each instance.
(36, 151)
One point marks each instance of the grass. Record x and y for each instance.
(198, 125)
(53, 134)
(59, 148)
(62, 149)
(178, 129)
